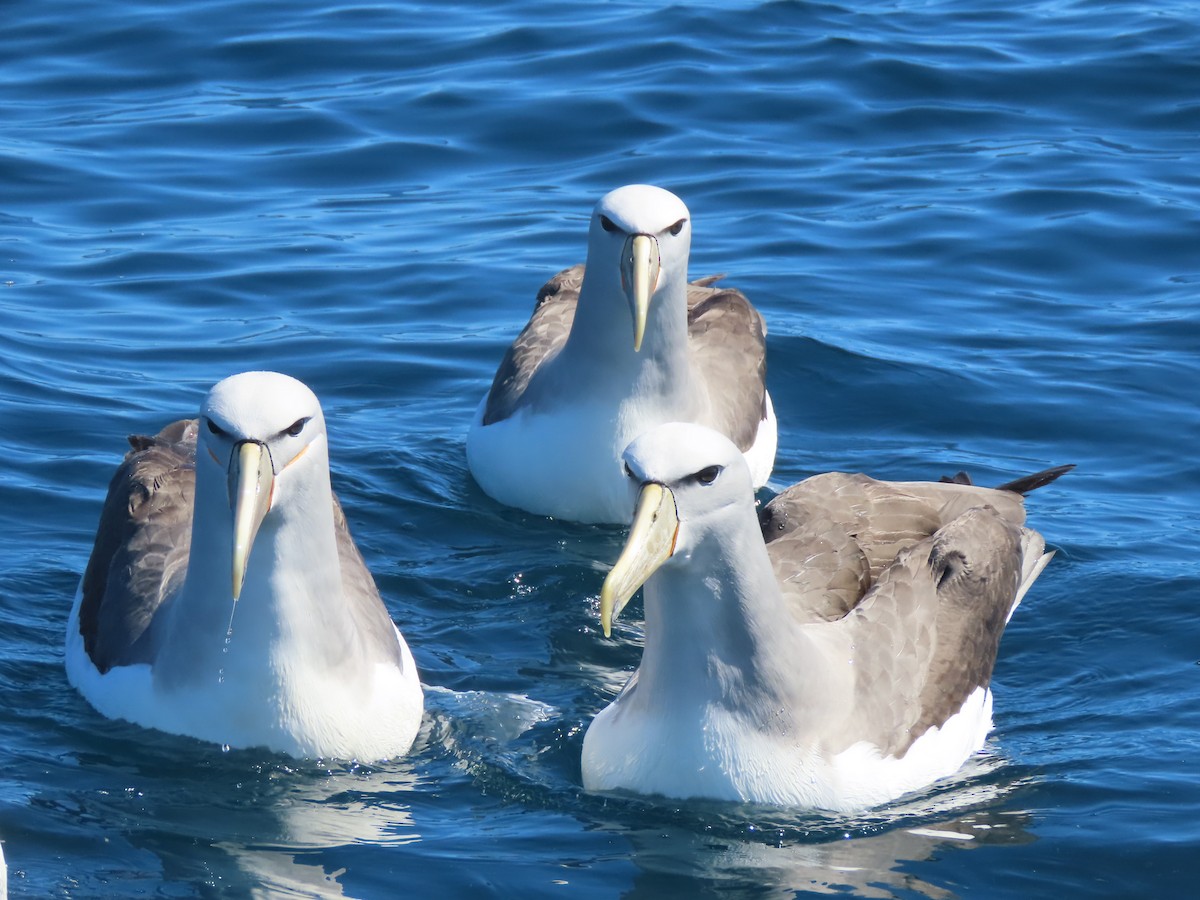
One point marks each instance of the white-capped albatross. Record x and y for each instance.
(612, 351)
(844, 661)
(225, 598)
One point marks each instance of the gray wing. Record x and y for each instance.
(928, 633)
(729, 353)
(926, 575)
(542, 337)
(880, 517)
(140, 554)
(371, 618)
(821, 569)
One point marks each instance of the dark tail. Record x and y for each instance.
(1022, 485)
(1036, 480)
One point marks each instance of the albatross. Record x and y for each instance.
(611, 351)
(834, 654)
(225, 598)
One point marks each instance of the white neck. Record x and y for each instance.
(601, 342)
(291, 603)
(718, 632)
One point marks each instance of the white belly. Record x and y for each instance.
(566, 463)
(301, 713)
(715, 756)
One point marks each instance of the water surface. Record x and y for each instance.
(972, 228)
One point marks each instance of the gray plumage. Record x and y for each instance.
(927, 573)
(612, 352)
(225, 599)
(833, 651)
(727, 341)
(140, 556)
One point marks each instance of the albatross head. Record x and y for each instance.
(263, 434)
(691, 482)
(641, 234)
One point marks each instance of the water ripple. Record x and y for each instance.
(971, 229)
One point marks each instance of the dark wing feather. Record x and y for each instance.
(140, 555)
(729, 353)
(542, 337)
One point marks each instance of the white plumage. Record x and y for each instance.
(225, 598)
(841, 663)
(600, 362)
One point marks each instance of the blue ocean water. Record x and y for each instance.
(973, 228)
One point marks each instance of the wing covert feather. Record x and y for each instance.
(729, 352)
(542, 337)
(140, 554)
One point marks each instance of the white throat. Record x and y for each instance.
(293, 583)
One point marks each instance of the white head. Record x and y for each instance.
(263, 435)
(641, 235)
(692, 483)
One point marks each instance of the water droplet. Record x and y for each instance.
(229, 627)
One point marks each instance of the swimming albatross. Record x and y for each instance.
(836, 666)
(225, 598)
(611, 352)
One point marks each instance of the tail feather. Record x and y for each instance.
(1033, 559)
(1027, 483)
(1022, 485)
(956, 478)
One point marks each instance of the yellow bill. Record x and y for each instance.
(251, 484)
(640, 266)
(651, 543)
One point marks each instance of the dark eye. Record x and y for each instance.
(707, 476)
(607, 224)
(628, 471)
(677, 227)
(298, 426)
(215, 428)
